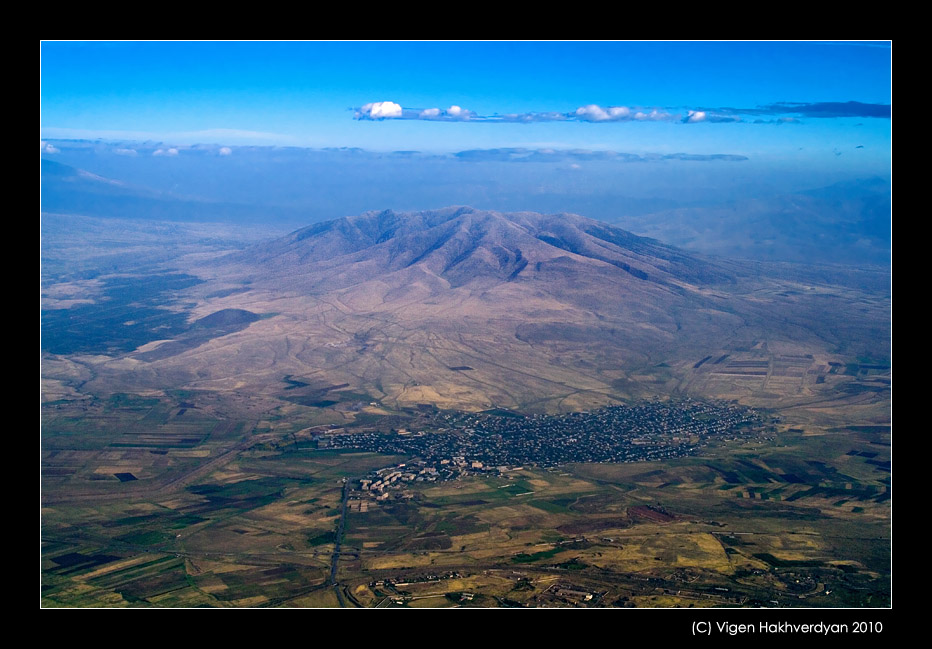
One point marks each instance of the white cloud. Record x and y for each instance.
(595, 113)
(592, 113)
(390, 110)
(695, 116)
(45, 147)
(225, 150)
(458, 113)
(165, 152)
(379, 110)
(129, 152)
(652, 116)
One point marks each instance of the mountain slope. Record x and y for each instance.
(474, 309)
(464, 246)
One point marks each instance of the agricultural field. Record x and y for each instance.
(160, 503)
(763, 527)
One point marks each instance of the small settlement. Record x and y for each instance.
(457, 444)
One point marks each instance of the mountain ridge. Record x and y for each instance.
(462, 245)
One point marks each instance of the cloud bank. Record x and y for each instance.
(830, 109)
(575, 156)
(781, 113)
(572, 157)
(382, 110)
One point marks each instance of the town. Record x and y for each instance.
(456, 444)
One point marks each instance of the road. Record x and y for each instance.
(338, 543)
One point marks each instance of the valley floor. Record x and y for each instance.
(159, 502)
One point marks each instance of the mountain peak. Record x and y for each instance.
(462, 246)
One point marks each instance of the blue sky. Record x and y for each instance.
(789, 102)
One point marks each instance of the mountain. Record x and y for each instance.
(845, 223)
(70, 190)
(464, 246)
(474, 309)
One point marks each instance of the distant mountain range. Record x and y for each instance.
(69, 190)
(846, 223)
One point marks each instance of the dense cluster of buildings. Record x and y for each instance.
(456, 443)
